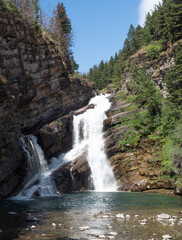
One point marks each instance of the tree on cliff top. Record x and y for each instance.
(61, 29)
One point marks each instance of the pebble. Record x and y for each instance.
(84, 228)
(109, 226)
(1, 230)
(102, 236)
(54, 225)
(142, 223)
(120, 216)
(136, 216)
(111, 237)
(113, 233)
(59, 224)
(127, 216)
(166, 237)
(163, 216)
(33, 227)
(105, 216)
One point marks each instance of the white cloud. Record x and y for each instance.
(145, 7)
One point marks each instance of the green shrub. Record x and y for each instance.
(154, 50)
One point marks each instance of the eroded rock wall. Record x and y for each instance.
(34, 91)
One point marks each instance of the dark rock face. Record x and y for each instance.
(34, 91)
(73, 176)
(134, 169)
(56, 137)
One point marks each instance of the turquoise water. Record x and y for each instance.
(60, 217)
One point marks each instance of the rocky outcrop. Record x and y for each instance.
(73, 176)
(156, 68)
(56, 137)
(134, 169)
(35, 90)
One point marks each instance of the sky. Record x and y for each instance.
(100, 26)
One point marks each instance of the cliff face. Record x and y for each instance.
(34, 90)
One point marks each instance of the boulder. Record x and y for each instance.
(73, 176)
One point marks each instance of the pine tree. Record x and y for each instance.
(138, 39)
(173, 79)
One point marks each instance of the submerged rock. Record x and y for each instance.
(30, 218)
(84, 228)
(163, 216)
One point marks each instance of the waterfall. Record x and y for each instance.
(87, 138)
(39, 181)
(88, 131)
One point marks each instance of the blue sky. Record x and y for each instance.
(100, 26)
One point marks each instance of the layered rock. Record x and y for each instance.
(134, 169)
(34, 91)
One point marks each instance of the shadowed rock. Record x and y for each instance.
(73, 176)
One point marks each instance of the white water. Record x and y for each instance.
(91, 125)
(40, 182)
(88, 138)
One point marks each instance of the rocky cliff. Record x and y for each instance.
(35, 90)
(156, 68)
(138, 168)
(134, 168)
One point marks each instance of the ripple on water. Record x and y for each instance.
(96, 214)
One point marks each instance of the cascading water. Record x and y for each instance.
(40, 183)
(88, 138)
(88, 131)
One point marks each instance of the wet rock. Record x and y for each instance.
(84, 109)
(113, 233)
(56, 137)
(73, 176)
(120, 216)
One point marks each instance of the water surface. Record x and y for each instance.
(60, 217)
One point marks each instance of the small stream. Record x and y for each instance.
(61, 217)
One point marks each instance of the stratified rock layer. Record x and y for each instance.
(134, 169)
(34, 91)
